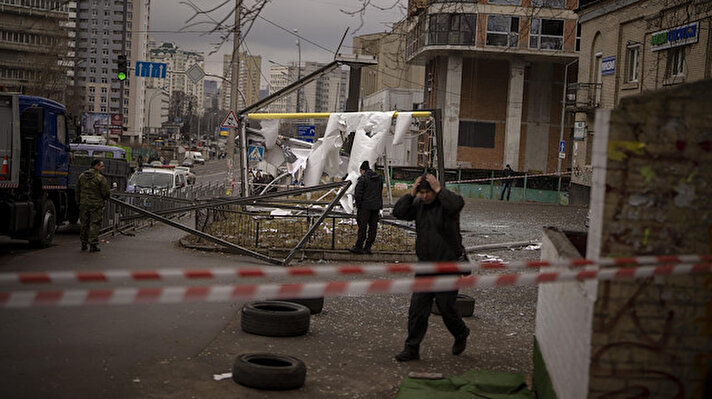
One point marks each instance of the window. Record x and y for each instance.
(502, 31)
(547, 34)
(676, 62)
(631, 63)
(452, 29)
(61, 129)
(103, 90)
(92, 89)
(578, 36)
(549, 3)
(476, 134)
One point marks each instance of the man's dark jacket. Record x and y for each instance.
(368, 193)
(437, 225)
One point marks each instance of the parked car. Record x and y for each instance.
(157, 180)
(174, 162)
(188, 163)
(190, 176)
(195, 156)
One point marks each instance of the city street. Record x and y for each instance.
(158, 351)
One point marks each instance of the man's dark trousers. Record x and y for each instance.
(506, 186)
(366, 218)
(420, 305)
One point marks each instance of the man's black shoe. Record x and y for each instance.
(367, 251)
(460, 343)
(407, 356)
(355, 250)
(94, 248)
(85, 246)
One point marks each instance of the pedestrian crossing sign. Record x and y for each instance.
(255, 153)
(230, 120)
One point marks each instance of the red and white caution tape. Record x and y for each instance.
(230, 293)
(508, 177)
(323, 270)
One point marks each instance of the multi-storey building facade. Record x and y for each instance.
(105, 30)
(495, 68)
(325, 94)
(249, 82)
(627, 48)
(35, 45)
(178, 61)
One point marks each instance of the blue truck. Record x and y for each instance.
(35, 134)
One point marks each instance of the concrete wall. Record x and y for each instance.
(563, 325)
(651, 338)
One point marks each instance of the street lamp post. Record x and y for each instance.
(299, 72)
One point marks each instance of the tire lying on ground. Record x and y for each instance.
(315, 305)
(465, 305)
(269, 371)
(275, 318)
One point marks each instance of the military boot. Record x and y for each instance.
(94, 248)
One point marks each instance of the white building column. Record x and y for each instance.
(451, 109)
(513, 129)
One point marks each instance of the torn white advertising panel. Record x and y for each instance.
(274, 157)
(270, 130)
(404, 121)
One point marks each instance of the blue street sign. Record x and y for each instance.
(608, 66)
(151, 69)
(306, 133)
(255, 153)
(562, 146)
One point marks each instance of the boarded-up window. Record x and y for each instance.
(476, 134)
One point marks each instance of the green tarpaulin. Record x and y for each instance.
(480, 384)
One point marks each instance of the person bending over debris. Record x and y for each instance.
(368, 196)
(436, 212)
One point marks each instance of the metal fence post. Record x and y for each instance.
(333, 233)
(524, 193)
(257, 234)
(491, 196)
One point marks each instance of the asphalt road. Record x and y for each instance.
(172, 351)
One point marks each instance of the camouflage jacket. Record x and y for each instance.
(92, 189)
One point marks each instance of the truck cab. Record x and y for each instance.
(34, 149)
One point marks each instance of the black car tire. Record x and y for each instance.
(315, 305)
(275, 319)
(465, 305)
(269, 371)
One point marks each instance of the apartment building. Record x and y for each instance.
(178, 61)
(629, 47)
(105, 30)
(249, 82)
(325, 94)
(36, 43)
(496, 70)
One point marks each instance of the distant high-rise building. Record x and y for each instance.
(210, 92)
(35, 43)
(249, 82)
(179, 61)
(105, 30)
(325, 94)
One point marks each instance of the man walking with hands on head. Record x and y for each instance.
(368, 197)
(436, 212)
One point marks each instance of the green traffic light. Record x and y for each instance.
(122, 76)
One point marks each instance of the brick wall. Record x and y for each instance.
(652, 338)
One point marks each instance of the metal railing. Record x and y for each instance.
(260, 231)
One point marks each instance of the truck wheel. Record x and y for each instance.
(275, 319)
(269, 371)
(47, 226)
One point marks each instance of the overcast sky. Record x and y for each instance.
(318, 21)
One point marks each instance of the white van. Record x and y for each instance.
(158, 181)
(195, 156)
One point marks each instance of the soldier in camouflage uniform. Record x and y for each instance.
(91, 193)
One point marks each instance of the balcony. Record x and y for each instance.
(583, 97)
